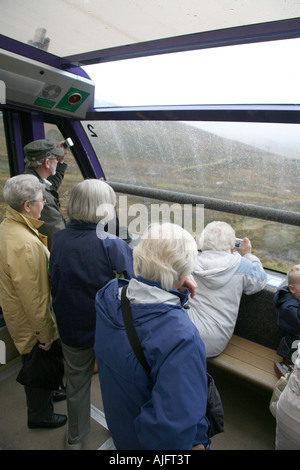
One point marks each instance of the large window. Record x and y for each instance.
(4, 175)
(243, 162)
(258, 73)
(72, 175)
(250, 163)
(4, 167)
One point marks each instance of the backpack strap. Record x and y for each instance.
(131, 331)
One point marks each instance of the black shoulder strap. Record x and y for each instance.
(130, 330)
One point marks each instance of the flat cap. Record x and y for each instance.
(40, 149)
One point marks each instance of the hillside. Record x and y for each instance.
(179, 157)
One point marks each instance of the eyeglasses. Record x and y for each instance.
(39, 200)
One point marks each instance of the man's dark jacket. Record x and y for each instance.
(51, 214)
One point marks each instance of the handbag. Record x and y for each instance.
(277, 391)
(214, 409)
(43, 369)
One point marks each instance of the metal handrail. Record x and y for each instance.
(248, 210)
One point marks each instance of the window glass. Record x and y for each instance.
(4, 167)
(276, 245)
(243, 162)
(72, 175)
(4, 175)
(259, 73)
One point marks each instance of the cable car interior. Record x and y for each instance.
(190, 104)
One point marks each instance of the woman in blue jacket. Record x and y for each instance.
(166, 409)
(83, 259)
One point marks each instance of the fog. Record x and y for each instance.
(259, 73)
(281, 139)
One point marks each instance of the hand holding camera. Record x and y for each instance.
(65, 144)
(238, 243)
(243, 244)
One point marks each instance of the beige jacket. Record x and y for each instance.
(24, 282)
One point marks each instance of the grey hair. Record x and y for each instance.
(217, 236)
(35, 163)
(93, 201)
(21, 188)
(166, 254)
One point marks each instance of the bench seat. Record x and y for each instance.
(249, 361)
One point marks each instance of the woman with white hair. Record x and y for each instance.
(83, 259)
(166, 408)
(25, 286)
(222, 276)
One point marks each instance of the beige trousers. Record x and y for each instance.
(79, 370)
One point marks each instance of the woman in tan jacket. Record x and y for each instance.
(24, 286)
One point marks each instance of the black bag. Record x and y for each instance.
(43, 369)
(214, 410)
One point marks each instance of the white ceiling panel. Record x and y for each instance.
(76, 26)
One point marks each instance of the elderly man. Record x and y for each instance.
(44, 159)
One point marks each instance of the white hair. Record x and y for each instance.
(91, 200)
(217, 236)
(21, 188)
(166, 254)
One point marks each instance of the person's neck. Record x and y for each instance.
(43, 172)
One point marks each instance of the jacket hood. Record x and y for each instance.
(140, 291)
(281, 295)
(216, 268)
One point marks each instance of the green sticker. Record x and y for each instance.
(66, 105)
(44, 103)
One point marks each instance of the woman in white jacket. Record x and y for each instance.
(222, 276)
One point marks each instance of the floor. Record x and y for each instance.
(248, 423)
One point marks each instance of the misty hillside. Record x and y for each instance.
(175, 156)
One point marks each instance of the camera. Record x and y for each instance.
(67, 143)
(238, 243)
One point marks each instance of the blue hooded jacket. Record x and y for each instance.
(166, 410)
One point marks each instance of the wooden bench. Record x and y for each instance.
(249, 361)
